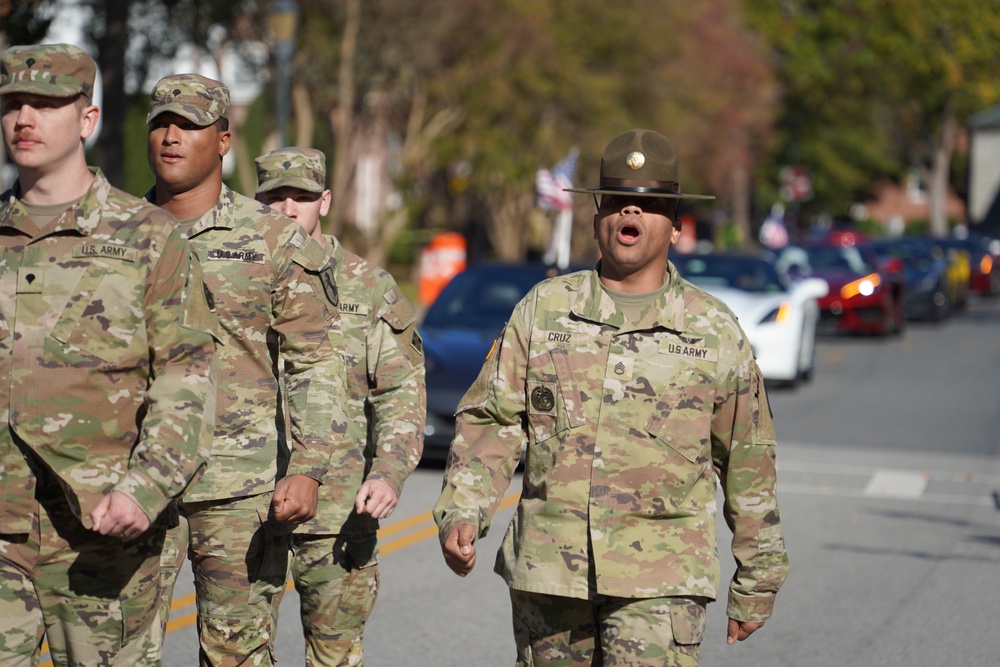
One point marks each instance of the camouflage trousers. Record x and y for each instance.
(606, 631)
(337, 580)
(175, 545)
(94, 598)
(239, 557)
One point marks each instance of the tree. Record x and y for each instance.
(875, 87)
(533, 79)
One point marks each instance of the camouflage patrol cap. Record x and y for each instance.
(642, 163)
(53, 70)
(199, 99)
(302, 168)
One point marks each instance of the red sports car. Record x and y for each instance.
(866, 296)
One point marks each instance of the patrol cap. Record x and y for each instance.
(642, 163)
(53, 70)
(199, 99)
(295, 167)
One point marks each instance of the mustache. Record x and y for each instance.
(25, 136)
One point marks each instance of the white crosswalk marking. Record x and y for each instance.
(896, 484)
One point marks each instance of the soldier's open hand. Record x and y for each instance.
(117, 515)
(459, 550)
(740, 630)
(295, 499)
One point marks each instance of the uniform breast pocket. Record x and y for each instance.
(554, 397)
(105, 318)
(682, 420)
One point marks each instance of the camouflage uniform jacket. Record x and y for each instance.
(106, 351)
(265, 275)
(624, 424)
(387, 398)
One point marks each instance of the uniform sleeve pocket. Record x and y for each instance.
(770, 559)
(763, 421)
(399, 313)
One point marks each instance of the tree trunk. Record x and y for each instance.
(304, 119)
(937, 195)
(111, 58)
(505, 227)
(740, 201)
(342, 117)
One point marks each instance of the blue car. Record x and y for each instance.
(926, 296)
(458, 331)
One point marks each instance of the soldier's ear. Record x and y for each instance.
(88, 120)
(225, 140)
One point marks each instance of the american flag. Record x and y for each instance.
(773, 233)
(549, 184)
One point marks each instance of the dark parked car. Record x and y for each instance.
(458, 330)
(927, 294)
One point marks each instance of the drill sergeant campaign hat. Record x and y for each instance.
(192, 96)
(641, 163)
(53, 70)
(302, 168)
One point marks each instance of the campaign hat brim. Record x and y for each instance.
(639, 192)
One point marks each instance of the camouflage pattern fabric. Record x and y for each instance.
(302, 168)
(94, 598)
(172, 556)
(626, 424)
(334, 559)
(199, 99)
(612, 632)
(54, 70)
(240, 560)
(387, 398)
(107, 342)
(338, 581)
(274, 293)
(100, 324)
(266, 283)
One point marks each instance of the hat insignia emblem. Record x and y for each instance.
(176, 92)
(286, 164)
(635, 160)
(29, 62)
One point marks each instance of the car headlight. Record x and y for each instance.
(779, 315)
(864, 286)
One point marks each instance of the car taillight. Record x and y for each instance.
(864, 286)
(986, 265)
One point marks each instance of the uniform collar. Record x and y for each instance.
(219, 216)
(83, 217)
(594, 304)
(334, 248)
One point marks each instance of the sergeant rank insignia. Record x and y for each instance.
(542, 399)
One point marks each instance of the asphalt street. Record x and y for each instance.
(889, 484)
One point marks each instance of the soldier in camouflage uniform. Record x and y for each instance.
(108, 393)
(276, 299)
(633, 391)
(335, 556)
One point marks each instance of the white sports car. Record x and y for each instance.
(778, 317)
